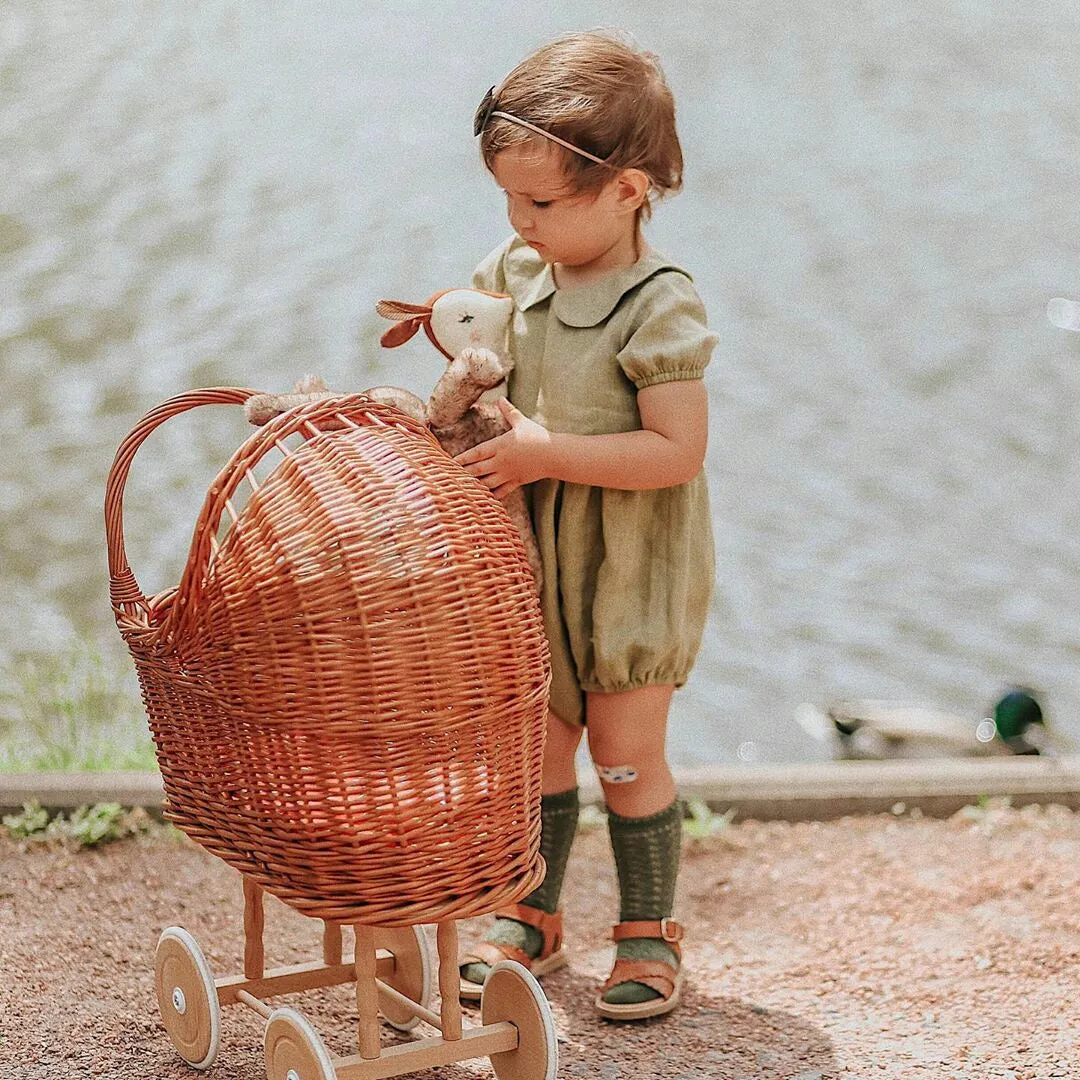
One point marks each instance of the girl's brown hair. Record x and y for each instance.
(601, 94)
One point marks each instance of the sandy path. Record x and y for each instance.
(861, 948)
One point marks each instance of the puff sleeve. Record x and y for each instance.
(671, 340)
(490, 274)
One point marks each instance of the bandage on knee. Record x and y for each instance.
(616, 774)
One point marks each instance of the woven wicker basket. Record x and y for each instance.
(347, 689)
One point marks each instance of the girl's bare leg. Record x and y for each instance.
(559, 772)
(628, 736)
(559, 813)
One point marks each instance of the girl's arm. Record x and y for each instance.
(668, 450)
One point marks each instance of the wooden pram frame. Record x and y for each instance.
(391, 972)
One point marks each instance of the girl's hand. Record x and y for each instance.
(512, 459)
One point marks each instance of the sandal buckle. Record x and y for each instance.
(670, 930)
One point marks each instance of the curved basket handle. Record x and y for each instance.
(124, 590)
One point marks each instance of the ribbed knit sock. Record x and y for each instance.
(647, 859)
(558, 823)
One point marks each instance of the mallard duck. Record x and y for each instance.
(877, 730)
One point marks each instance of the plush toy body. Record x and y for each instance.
(471, 329)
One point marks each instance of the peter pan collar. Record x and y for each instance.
(529, 280)
(528, 277)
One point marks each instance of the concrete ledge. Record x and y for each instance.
(823, 790)
(65, 791)
(796, 792)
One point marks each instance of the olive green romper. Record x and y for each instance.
(627, 574)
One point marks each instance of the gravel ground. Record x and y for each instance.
(877, 947)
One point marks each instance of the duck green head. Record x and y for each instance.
(1015, 713)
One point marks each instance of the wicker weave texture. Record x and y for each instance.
(347, 689)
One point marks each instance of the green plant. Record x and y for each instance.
(86, 826)
(985, 808)
(72, 711)
(33, 819)
(702, 822)
(591, 817)
(89, 826)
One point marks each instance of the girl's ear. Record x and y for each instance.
(632, 188)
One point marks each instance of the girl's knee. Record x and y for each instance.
(641, 747)
(633, 792)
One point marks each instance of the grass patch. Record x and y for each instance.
(701, 822)
(87, 826)
(78, 710)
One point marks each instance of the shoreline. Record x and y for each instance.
(815, 791)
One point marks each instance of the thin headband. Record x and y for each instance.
(487, 110)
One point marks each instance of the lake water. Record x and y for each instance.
(880, 201)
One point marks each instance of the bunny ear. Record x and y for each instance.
(399, 310)
(400, 332)
(409, 318)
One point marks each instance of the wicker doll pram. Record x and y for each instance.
(347, 695)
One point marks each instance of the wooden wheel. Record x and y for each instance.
(511, 993)
(411, 975)
(294, 1050)
(187, 997)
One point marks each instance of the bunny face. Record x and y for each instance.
(456, 319)
(463, 318)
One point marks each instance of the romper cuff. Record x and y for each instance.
(669, 376)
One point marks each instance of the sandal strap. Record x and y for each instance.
(663, 929)
(654, 974)
(549, 925)
(491, 952)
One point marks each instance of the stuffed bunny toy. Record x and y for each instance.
(470, 328)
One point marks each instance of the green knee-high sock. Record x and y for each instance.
(647, 858)
(558, 823)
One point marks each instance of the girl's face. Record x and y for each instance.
(563, 226)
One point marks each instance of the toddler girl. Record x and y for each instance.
(608, 427)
